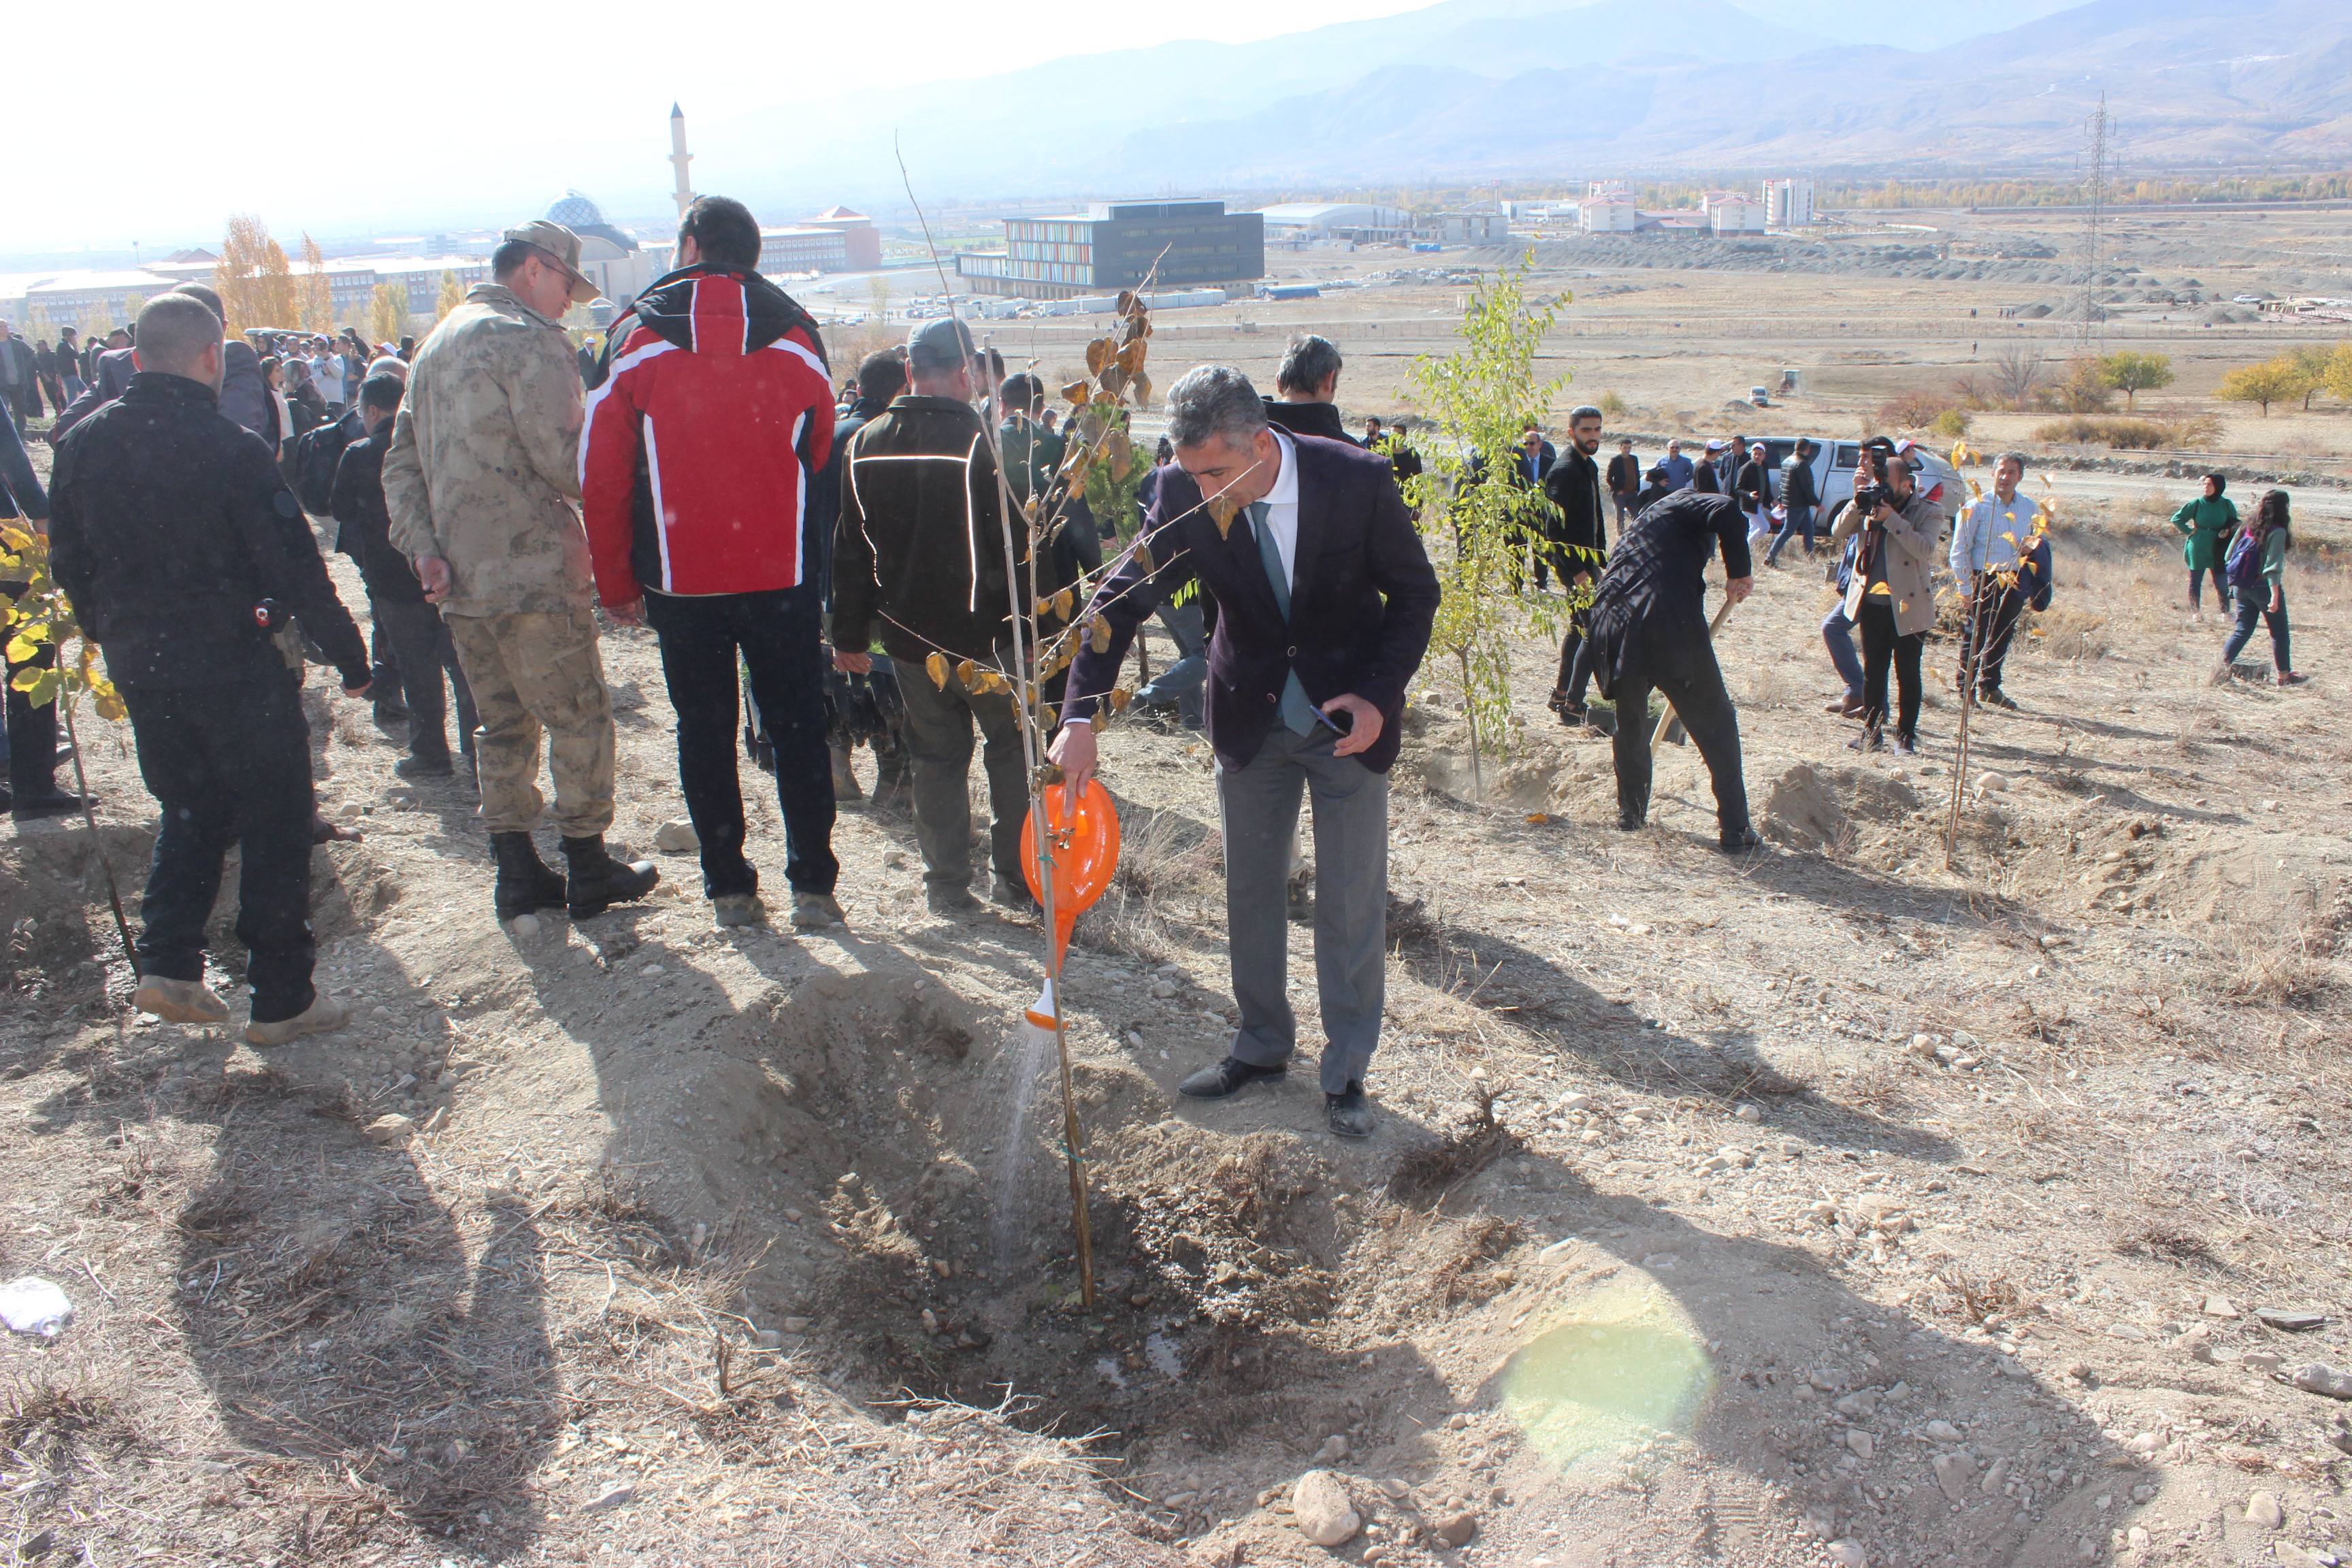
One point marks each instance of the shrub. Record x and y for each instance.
(2126, 433)
(2084, 391)
(1612, 405)
(2089, 430)
(1951, 424)
(1913, 410)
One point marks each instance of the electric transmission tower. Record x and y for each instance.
(2094, 202)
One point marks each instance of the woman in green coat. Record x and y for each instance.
(2208, 521)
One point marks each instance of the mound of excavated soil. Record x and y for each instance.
(1816, 806)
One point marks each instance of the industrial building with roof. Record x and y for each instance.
(1356, 223)
(1118, 245)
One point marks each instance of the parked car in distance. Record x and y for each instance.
(1835, 462)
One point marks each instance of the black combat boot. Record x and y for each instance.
(525, 881)
(598, 882)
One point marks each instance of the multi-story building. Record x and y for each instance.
(1787, 204)
(1463, 229)
(1607, 215)
(1118, 245)
(1732, 212)
(835, 240)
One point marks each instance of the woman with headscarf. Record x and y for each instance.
(2209, 520)
(2255, 569)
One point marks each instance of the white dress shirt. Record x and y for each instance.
(1282, 510)
(1990, 535)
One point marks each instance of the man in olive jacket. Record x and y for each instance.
(480, 481)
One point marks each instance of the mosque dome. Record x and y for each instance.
(575, 210)
(578, 212)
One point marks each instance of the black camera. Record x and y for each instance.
(1868, 498)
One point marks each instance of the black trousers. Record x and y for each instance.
(775, 636)
(229, 764)
(422, 650)
(32, 731)
(1994, 614)
(1706, 709)
(1574, 673)
(1881, 646)
(384, 655)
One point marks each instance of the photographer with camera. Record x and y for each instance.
(1891, 596)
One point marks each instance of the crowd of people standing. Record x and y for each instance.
(495, 486)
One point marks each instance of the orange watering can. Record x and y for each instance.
(1086, 853)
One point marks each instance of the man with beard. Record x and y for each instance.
(1578, 544)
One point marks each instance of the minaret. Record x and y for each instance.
(679, 158)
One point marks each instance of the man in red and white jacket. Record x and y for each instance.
(712, 414)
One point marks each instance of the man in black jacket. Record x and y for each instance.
(1578, 544)
(421, 646)
(1798, 496)
(919, 556)
(1649, 630)
(862, 704)
(1625, 480)
(1307, 381)
(185, 553)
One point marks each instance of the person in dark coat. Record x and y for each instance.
(1753, 488)
(1798, 496)
(1656, 486)
(32, 731)
(422, 647)
(1579, 544)
(1306, 385)
(881, 377)
(1649, 630)
(1727, 462)
(1324, 603)
(185, 554)
(1625, 480)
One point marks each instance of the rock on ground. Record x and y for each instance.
(1318, 1502)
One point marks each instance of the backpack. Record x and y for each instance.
(2242, 567)
(316, 454)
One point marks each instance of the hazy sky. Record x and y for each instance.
(342, 119)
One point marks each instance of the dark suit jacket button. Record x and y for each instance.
(1271, 697)
(1290, 653)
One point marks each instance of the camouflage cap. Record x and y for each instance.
(563, 247)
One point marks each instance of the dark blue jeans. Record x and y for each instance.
(1837, 636)
(2256, 606)
(1799, 519)
(775, 634)
(229, 764)
(1180, 684)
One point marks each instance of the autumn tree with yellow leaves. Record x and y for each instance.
(255, 278)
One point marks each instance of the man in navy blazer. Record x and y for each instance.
(1324, 598)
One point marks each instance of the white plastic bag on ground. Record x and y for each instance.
(33, 1306)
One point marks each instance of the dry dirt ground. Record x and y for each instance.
(1826, 1204)
(1680, 330)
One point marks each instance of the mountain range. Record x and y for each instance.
(1473, 90)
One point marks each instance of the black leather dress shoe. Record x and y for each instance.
(1735, 841)
(1350, 1114)
(1228, 1077)
(57, 803)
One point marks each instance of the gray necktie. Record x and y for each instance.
(1298, 712)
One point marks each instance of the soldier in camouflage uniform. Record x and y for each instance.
(481, 480)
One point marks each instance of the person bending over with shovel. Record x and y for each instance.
(1650, 630)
